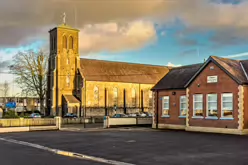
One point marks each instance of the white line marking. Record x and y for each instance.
(66, 153)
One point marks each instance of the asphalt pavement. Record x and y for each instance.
(13, 154)
(147, 147)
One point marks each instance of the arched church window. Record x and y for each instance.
(65, 42)
(96, 95)
(67, 61)
(71, 42)
(68, 80)
(133, 98)
(115, 99)
(150, 99)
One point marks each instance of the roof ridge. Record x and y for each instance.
(132, 63)
(226, 58)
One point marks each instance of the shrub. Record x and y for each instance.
(10, 114)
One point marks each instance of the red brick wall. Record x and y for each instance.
(224, 84)
(246, 107)
(174, 108)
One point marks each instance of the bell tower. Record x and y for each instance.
(64, 61)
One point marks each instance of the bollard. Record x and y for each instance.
(106, 122)
(58, 122)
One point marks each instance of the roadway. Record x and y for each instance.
(11, 154)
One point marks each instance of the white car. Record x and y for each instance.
(143, 115)
(35, 115)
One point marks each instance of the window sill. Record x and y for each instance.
(165, 116)
(211, 118)
(182, 117)
(197, 117)
(226, 118)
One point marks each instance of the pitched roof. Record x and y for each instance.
(99, 70)
(177, 77)
(233, 68)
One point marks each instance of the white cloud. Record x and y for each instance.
(23, 25)
(114, 37)
(236, 55)
(173, 65)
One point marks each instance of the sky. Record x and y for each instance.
(159, 32)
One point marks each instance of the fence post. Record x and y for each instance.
(58, 122)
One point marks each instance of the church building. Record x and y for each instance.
(95, 87)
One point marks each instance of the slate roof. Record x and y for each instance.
(177, 77)
(233, 67)
(236, 69)
(108, 71)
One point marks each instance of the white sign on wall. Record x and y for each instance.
(212, 79)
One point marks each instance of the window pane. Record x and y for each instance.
(212, 97)
(198, 105)
(166, 106)
(227, 98)
(166, 102)
(212, 105)
(165, 112)
(183, 105)
(199, 112)
(227, 106)
(197, 97)
(183, 112)
(183, 99)
(227, 113)
(213, 112)
(166, 99)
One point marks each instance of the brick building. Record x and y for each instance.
(208, 97)
(95, 87)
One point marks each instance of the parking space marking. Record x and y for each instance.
(65, 153)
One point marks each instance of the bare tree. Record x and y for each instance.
(5, 90)
(31, 68)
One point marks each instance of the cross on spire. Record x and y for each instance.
(64, 18)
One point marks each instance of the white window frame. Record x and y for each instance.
(194, 116)
(181, 109)
(163, 107)
(222, 116)
(207, 113)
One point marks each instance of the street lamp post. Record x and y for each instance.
(2, 95)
